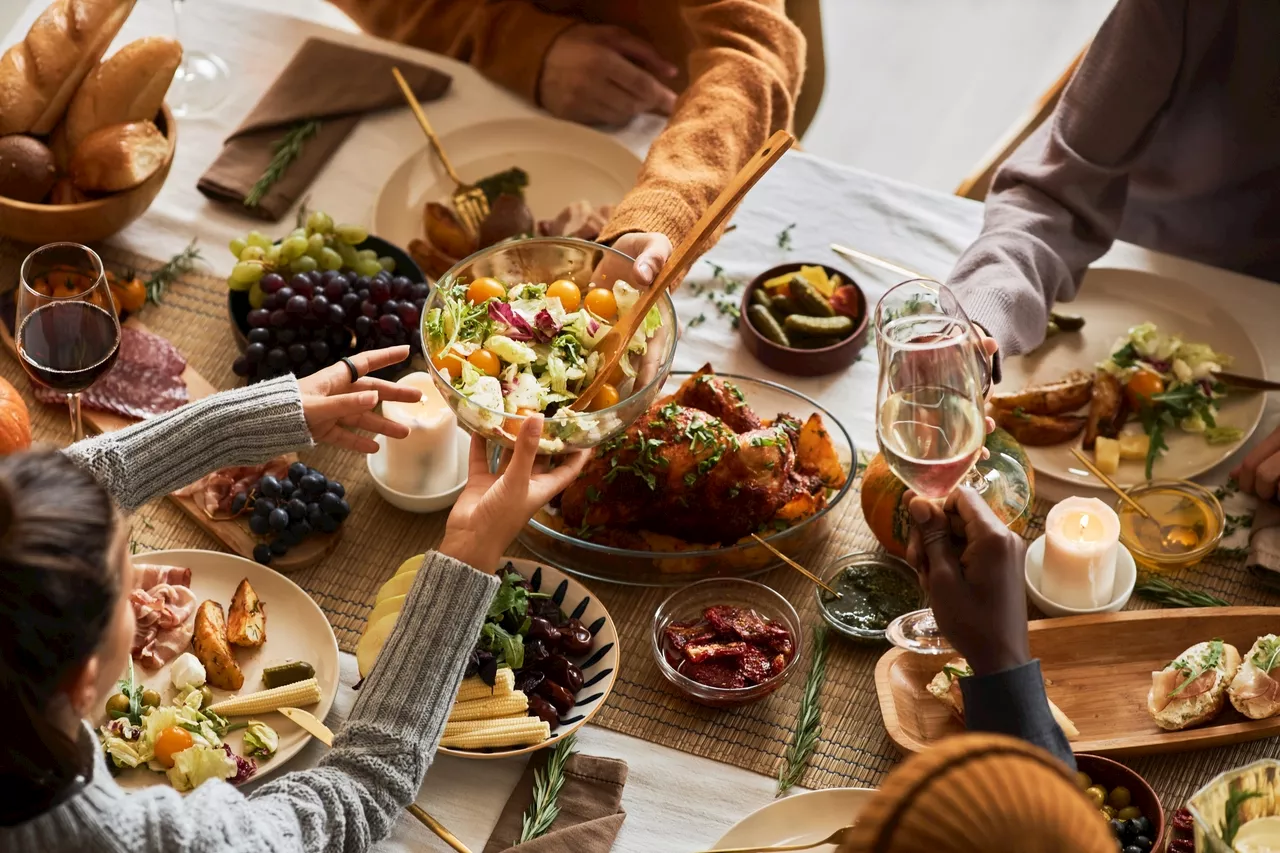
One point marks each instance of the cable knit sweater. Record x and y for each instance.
(352, 799)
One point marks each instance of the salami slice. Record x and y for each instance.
(145, 380)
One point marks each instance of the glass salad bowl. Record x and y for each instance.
(458, 333)
(663, 561)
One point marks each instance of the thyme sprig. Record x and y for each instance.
(287, 150)
(547, 782)
(177, 266)
(808, 719)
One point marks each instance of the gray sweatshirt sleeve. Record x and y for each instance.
(244, 426)
(1057, 204)
(1013, 702)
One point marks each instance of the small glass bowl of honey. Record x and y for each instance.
(1185, 525)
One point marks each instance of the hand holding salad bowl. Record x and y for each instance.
(515, 331)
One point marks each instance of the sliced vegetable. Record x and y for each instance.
(1106, 452)
(260, 740)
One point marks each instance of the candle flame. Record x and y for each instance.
(1084, 521)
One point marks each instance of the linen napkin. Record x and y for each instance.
(1264, 540)
(333, 83)
(590, 809)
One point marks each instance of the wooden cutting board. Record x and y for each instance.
(234, 534)
(1097, 669)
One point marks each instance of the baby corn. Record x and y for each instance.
(530, 731)
(465, 727)
(473, 688)
(297, 695)
(509, 705)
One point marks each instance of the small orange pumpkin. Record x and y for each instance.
(882, 495)
(15, 421)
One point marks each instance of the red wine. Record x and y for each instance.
(68, 345)
(931, 436)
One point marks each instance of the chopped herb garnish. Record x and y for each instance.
(1267, 657)
(593, 494)
(784, 238)
(697, 321)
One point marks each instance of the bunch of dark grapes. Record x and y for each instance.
(315, 318)
(290, 509)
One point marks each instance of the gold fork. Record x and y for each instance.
(836, 837)
(468, 199)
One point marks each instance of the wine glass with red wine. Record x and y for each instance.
(67, 330)
(930, 422)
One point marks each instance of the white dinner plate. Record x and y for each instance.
(565, 162)
(1111, 301)
(296, 630)
(799, 819)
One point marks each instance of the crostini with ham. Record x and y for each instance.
(1193, 689)
(945, 687)
(1255, 690)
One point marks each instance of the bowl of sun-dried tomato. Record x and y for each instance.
(726, 641)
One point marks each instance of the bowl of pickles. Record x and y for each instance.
(804, 319)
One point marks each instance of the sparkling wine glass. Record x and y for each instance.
(930, 420)
(67, 330)
(201, 83)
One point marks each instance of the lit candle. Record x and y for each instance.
(1081, 538)
(425, 462)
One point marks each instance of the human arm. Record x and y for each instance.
(1057, 204)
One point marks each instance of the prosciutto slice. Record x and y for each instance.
(1168, 680)
(146, 576)
(165, 621)
(1256, 684)
(214, 492)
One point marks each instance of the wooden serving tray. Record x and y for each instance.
(1097, 669)
(235, 535)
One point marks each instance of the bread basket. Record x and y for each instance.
(93, 220)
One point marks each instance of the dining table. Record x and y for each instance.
(815, 201)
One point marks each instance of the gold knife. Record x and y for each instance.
(318, 730)
(855, 256)
(1247, 382)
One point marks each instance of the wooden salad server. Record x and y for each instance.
(614, 344)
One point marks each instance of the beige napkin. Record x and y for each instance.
(590, 809)
(332, 82)
(1264, 539)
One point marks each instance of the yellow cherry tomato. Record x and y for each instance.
(483, 289)
(449, 362)
(513, 424)
(485, 362)
(607, 396)
(600, 301)
(170, 742)
(1142, 386)
(567, 292)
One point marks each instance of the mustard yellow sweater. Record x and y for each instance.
(741, 64)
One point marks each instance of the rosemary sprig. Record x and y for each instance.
(809, 718)
(179, 265)
(1231, 823)
(784, 238)
(286, 151)
(1157, 589)
(547, 783)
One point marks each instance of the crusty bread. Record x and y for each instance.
(26, 168)
(945, 689)
(1200, 701)
(39, 74)
(118, 157)
(128, 86)
(1254, 691)
(65, 192)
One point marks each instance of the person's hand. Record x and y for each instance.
(597, 74)
(493, 508)
(990, 347)
(971, 565)
(1259, 473)
(651, 251)
(334, 405)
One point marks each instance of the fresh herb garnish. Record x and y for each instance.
(1194, 670)
(1231, 822)
(784, 238)
(697, 321)
(133, 691)
(177, 266)
(954, 671)
(808, 718)
(1126, 357)
(288, 149)
(511, 182)
(1158, 589)
(547, 782)
(1267, 657)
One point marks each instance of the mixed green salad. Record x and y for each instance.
(1172, 385)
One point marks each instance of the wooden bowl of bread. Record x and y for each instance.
(85, 143)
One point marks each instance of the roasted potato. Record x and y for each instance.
(431, 260)
(446, 232)
(800, 507)
(1038, 430)
(1107, 409)
(247, 619)
(815, 454)
(211, 647)
(1056, 398)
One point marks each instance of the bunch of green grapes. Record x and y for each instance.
(318, 246)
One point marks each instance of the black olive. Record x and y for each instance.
(1133, 848)
(541, 708)
(1117, 828)
(527, 680)
(541, 629)
(1139, 826)
(555, 694)
(1142, 843)
(535, 651)
(563, 671)
(575, 639)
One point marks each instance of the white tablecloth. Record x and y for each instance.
(673, 800)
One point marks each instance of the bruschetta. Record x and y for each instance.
(945, 687)
(1255, 690)
(1193, 689)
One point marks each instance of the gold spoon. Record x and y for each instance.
(1173, 537)
(836, 837)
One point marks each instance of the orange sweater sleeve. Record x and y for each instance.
(505, 40)
(745, 70)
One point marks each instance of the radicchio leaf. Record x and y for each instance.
(518, 327)
(547, 327)
(245, 767)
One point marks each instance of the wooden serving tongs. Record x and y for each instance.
(614, 344)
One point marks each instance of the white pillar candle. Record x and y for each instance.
(425, 462)
(1081, 538)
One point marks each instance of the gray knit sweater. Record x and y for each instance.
(354, 796)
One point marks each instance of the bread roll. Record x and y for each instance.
(39, 74)
(119, 157)
(127, 86)
(65, 192)
(26, 168)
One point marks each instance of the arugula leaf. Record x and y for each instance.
(1206, 663)
(510, 647)
(1126, 356)
(511, 597)
(1267, 657)
(957, 671)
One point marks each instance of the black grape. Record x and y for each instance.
(258, 524)
(279, 519)
(269, 486)
(262, 553)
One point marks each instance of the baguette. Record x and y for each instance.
(945, 687)
(1193, 689)
(118, 158)
(1254, 691)
(128, 86)
(40, 74)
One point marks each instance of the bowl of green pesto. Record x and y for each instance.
(874, 589)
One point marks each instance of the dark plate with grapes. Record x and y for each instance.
(324, 316)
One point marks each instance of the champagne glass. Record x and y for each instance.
(200, 84)
(68, 333)
(930, 410)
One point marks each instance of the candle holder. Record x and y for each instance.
(419, 503)
(1126, 579)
